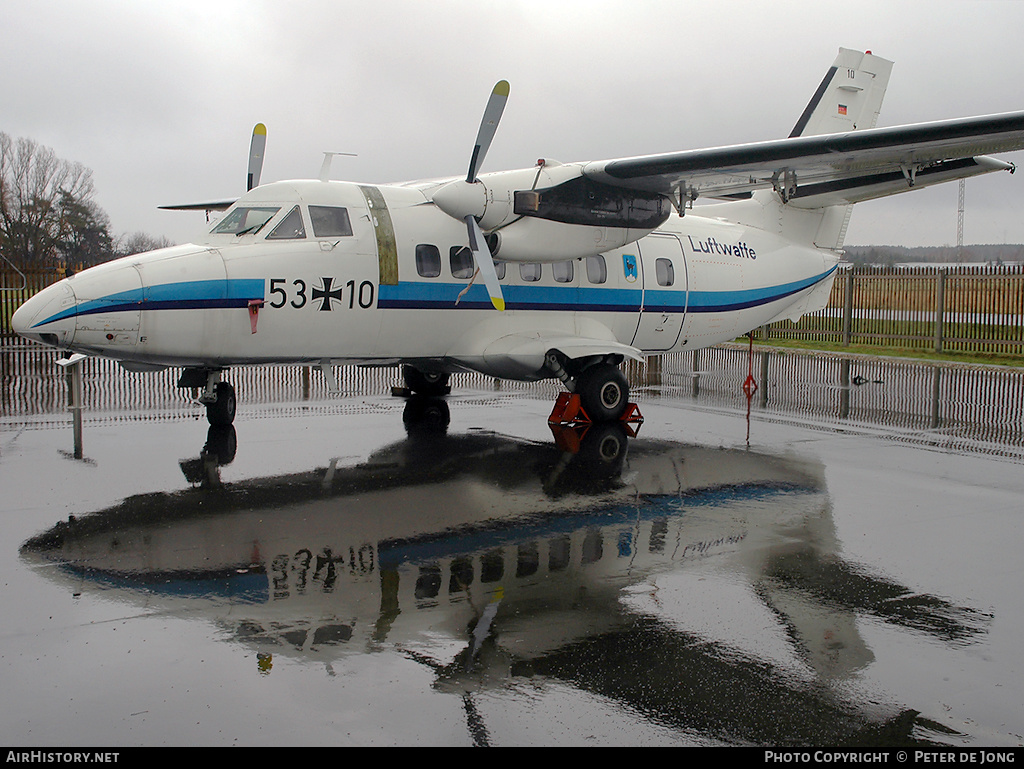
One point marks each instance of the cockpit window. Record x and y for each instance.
(245, 220)
(290, 228)
(330, 221)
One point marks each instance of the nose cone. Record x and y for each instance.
(49, 316)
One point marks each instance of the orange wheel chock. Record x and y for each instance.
(569, 410)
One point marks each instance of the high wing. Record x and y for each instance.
(806, 166)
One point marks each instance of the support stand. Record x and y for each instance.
(73, 366)
(569, 421)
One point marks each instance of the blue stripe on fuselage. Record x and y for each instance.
(422, 295)
(419, 295)
(188, 295)
(724, 301)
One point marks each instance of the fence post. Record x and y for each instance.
(848, 309)
(940, 300)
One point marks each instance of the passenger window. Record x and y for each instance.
(562, 272)
(330, 221)
(529, 271)
(664, 272)
(597, 269)
(290, 228)
(428, 261)
(499, 270)
(461, 260)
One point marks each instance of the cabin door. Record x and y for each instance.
(663, 271)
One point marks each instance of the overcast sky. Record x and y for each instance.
(159, 98)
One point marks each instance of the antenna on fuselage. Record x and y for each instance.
(325, 169)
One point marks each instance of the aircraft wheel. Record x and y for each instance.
(222, 411)
(426, 415)
(603, 450)
(604, 392)
(430, 384)
(222, 443)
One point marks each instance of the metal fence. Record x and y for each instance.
(18, 285)
(973, 408)
(942, 308)
(949, 308)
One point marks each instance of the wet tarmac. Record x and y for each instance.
(834, 560)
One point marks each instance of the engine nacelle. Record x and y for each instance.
(543, 240)
(552, 212)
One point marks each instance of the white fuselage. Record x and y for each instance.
(399, 288)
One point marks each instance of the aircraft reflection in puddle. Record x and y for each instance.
(523, 553)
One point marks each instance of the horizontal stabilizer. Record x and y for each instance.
(216, 205)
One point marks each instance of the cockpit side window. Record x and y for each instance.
(330, 221)
(290, 228)
(245, 220)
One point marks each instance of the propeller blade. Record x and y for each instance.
(256, 149)
(488, 125)
(485, 263)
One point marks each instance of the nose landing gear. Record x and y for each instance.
(220, 412)
(218, 396)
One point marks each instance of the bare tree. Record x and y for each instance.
(43, 202)
(138, 243)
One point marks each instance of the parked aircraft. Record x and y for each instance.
(561, 270)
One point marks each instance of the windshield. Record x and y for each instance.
(245, 220)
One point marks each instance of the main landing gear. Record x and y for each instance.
(603, 391)
(598, 392)
(599, 395)
(218, 396)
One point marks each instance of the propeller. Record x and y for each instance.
(477, 244)
(488, 126)
(484, 262)
(256, 150)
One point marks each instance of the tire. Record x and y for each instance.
(429, 384)
(604, 392)
(426, 415)
(221, 412)
(222, 443)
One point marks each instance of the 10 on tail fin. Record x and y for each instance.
(849, 97)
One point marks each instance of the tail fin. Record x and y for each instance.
(849, 97)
